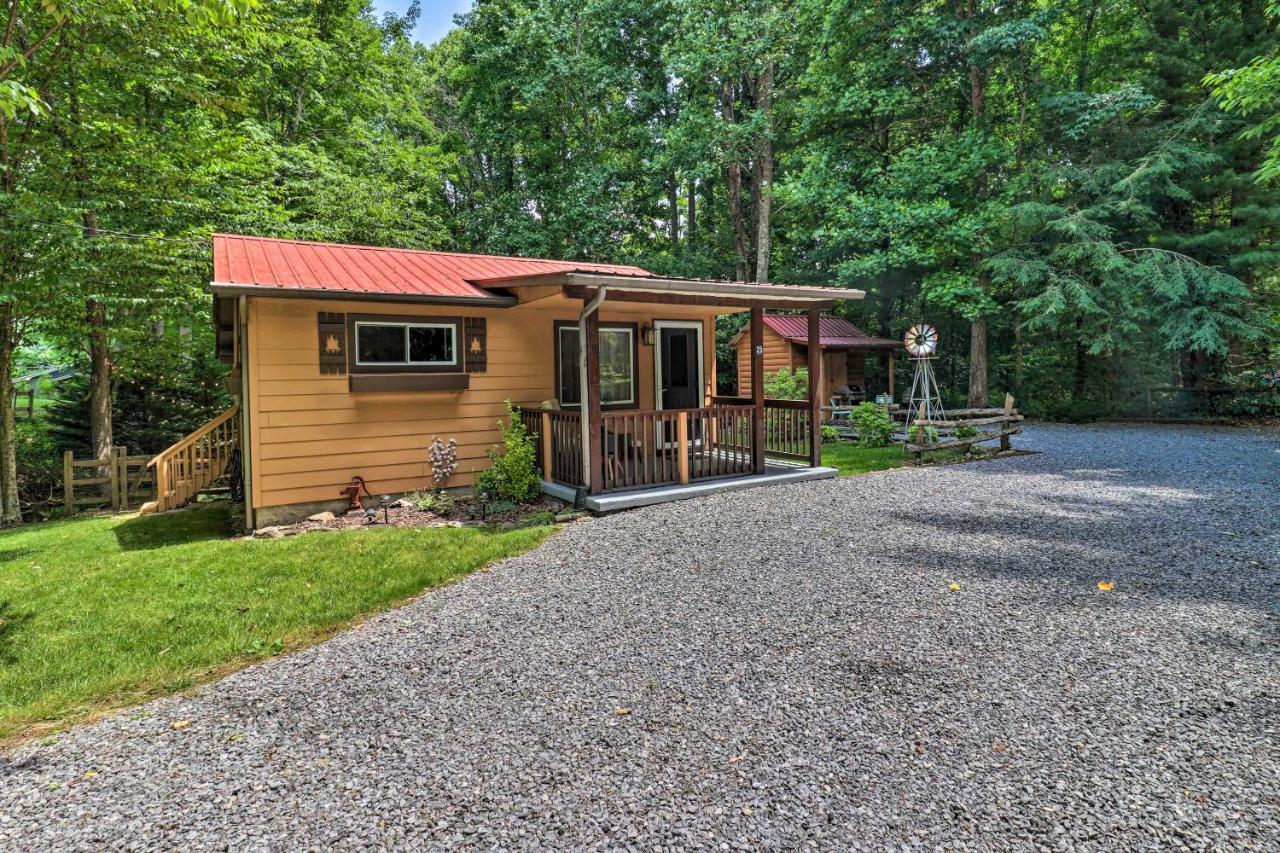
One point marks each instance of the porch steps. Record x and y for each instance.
(776, 474)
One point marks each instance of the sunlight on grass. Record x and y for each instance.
(102, 612)
(851, 459)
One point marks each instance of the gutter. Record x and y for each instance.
(229, 289)
(588, 309)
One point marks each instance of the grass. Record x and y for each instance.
(850, 459)
(100, 613)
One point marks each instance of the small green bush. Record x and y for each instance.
(787, 384)
(873, 424)
(966, 431)
(441, 503)
(1251, 406)
(829, 434)
(512, 474)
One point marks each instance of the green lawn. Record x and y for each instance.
(850, 459)
(98, 613)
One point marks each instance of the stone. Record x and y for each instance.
(322, 517)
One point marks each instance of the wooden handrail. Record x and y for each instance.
(190, 465)
(196, 434)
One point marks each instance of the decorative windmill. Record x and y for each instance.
(925, 403)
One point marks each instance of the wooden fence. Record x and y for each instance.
(1007, 422)
(115, 482)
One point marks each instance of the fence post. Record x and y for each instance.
(1004, 425)
(682, 447)
(546, 446)
(124, 477)
(68, 482)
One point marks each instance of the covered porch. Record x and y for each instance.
(690, 442)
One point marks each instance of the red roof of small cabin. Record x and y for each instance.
(301, 265)
(835, 332)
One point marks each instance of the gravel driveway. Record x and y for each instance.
(767, 669)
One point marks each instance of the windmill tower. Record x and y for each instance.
(924, 402)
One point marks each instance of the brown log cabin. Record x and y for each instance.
(844, 350)
(347, 360)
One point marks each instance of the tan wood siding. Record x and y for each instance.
(310, 434)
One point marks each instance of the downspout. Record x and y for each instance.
(588, 309)
(246, 466)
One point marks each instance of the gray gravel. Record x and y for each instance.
(792, 670)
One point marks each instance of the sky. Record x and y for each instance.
(436, 19)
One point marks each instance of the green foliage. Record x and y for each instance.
(873, 425)
(965, 431)
(39, 466)
(787, 384)
(512, 474)
(829, 434)
(441, 503)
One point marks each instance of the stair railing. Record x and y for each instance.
(193, 463)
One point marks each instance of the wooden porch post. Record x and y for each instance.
(889, 368)
(591, 405)
(757, 390)
(815, 389)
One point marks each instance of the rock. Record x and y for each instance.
(268, 533)
(573, 515)
(508, 525)
(322, 517)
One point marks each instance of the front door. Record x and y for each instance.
(679, 371)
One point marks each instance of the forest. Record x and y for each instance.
(1082, 196)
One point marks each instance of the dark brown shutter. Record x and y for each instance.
(333, 343)
(224, 327)
(476, 344)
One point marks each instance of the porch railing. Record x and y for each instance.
(787, 430)
(642, 449)
(558, 446)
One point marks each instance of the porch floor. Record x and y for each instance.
(775, 473)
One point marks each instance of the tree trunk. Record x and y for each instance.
(10, 508)
(764, 178)
(691, 212)
(1077, 389)
(100, 366)
(978, 363)
(673, 209)
(733, 178)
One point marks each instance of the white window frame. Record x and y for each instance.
(453, 344)
(630, 332)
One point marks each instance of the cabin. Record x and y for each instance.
(347, 361)
(844, 349)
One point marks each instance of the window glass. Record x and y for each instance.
(431, 344)
(380, 344)
(405, 343)
(617, 367)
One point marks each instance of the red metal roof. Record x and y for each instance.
(832, 331)
(409, 273)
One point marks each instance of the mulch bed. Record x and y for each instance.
(465, 513)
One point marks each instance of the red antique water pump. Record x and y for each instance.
(352, 492)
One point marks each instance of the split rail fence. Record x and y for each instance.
(1006, 420)
(116, 481)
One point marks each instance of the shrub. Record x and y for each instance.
(873, 424)
(444, 460)
(966, 431)
(512, 474)
(441, 503)
(39, 465)
(1251, 406)
(830, 434)
(787, 384)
